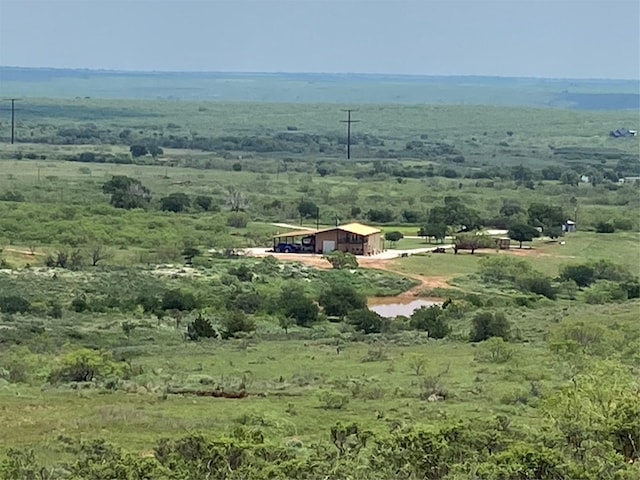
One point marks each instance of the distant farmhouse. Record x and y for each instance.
(623, 133)
(352, 238)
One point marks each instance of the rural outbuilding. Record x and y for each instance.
(352, 238)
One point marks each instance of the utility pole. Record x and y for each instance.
(348, 121)
(13, 120)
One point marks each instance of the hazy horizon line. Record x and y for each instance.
(380, 74)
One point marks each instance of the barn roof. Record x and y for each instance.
(355, 228)
(295, 233)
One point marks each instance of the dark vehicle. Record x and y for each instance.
(307, 245)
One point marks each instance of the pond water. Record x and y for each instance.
(390, 307)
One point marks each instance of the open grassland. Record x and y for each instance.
(544, 256)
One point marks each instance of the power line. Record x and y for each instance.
(348, 121)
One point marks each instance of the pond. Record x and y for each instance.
(390, 307)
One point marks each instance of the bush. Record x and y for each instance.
(79, 304)
(488, 324)
(199, 328)
(366, 320)
(538, 284)
(605, 291)
(247, 302)
(340, 299)
(605, 227)
(178, 300)
(14, 304)
(583, 274)
(85, 365)
(341, 260)
(503, 268)
(237, 219)
(236, 322)
(430, 319)
(242, 272)
(494, 350)
(296, 305)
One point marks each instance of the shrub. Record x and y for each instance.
(236, 322)
(624, 224)
(341, 260)
(366, 320)
(605, 291)
(237, 219)
(488, 324)
(430, 319)
(199, 328)
(605, 227)
(79, 304)
(583, 274)
(242, 272)
(85, 365)
(503, 268)
(14, 304)
(340, 299)
(248, 302)
(296, 305)
(178, 300)
(332, 400)
(494, 350)
(538, 284)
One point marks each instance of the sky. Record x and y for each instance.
(522, 38)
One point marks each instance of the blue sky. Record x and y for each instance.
(533, 38)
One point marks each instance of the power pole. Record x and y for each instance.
(348, 121)
(13, 120)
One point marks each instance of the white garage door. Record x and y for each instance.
(328, 246)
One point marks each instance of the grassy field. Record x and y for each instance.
(545, 257)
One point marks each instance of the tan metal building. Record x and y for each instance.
(352, 238)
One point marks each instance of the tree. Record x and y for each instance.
(521, 232)
(138, 151)
(510, 208)
(85, 365)
(366, 320)
(307, 208)
(549, 217)
(393, 237)
(583, 275)
(340, 299)
(430, 319)
(438, 231)
(175, 202)
(204, 202)
(488, 324)
(341, 260)
(236, 199)
(127, 192)
(98, 253)
(155, 151)
(297, 306)
(570, 177)
(378, 215)
(178, 300)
